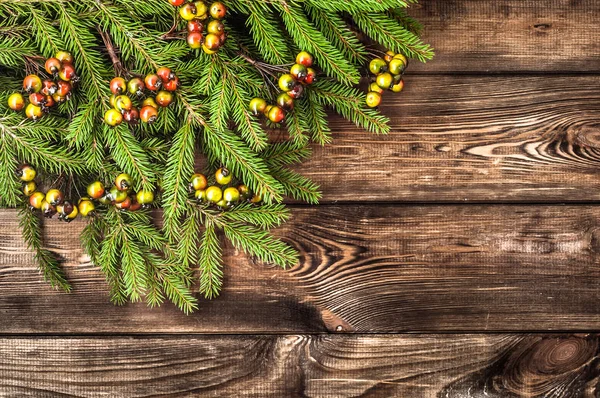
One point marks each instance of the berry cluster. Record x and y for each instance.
(196, 13)
(53, 201)
(292, 86)
(44, 94)
(164, 82)
(120, 194)
(388, 73)
(223, 196)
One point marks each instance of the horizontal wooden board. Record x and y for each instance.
(428, 366)
(510, 35)
(376, 268)
(466, 138)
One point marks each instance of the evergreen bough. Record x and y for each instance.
(209, 120)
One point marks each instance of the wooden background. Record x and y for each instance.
(457, 257)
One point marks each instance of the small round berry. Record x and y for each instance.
(216, 27)
(299, 71)
(113, 117)
(150, 102)
(297, 91)
(52, 66)
(145, 197)
(311, 76)
(164, 98)
(398, 87)
(397, 66)
(47, 209)
(285, 101)
(176, 3)
(63, 88)
(116, 195)
(29, 188)
(67, 73)
(54, 197)
(218, 10)
(118, 85)
(32, 84)
(212, 41)
(195, 26)
(36, 199)
(172, 85)
(153, 82)
(148, 114)
(385, 80)
(16, 102)
(258, 105)
(194, 40)
(123, 182)
(200, 195)
(304, 58)
(199, 181)
(95, 190)
(375, 88)
(223, 176)
(124, 204)
(276, 114)
(231, 195)
(48, 103)
(65, 57)
(107, 199)
(286, 82)
(377, 66)
(86, 208)
(373, 99)
(37, 99)
(244, 191)
(401, 58)
(165, 74)
(256, 199)
(201, 10)
(135, 205)
(188, 11)
(59, 98)
(70, 216)
(389, 55)
(223, 204)
(214, 194)
(26, 173)
(49, 87)
(267, 110)
(132, 116)
(136, 86)
(123, 103)
(34, 112)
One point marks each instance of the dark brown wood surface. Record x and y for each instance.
(452, 224)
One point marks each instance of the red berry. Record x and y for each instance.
(118, 85)
(67, 73)
(131, 116)
(148, 114)
(48, 87)
(165, 74)
(153, 82)
(64, 88)
(304, 58)
(276, 114)
(37, 99)
(176, 3)
(194, 40)
(218, 10)
(195, 25)
(52, 66)
(172, 85)
(297, 91)
(311, 76)
(49, 103)
(32, 84)
(212, 41)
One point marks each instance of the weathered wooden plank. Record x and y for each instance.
(363, 269)
(510, 35)
(460, 366)
(461, 138)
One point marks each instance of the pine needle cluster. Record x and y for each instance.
(154, 258)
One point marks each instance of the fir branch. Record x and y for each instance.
(271, 43)
(9, 188)
(316, 118)
(264, 216)
(211, 263)
(359, 6)
(297, 186)
(46, 260)
(285, 153)
(46, 35)
(189, 242)
(13, 52)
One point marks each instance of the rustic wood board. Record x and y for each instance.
(363, 269)
(425, 366)
(471, 138)
(508, 36)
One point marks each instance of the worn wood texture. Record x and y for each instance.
(469, 138)
(510, 36)
(426, 366)
(363, 269)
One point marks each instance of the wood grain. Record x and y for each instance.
(465, 138)
(460, 366)
(508, 36)
(363, 269)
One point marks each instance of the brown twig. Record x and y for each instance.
(110, 48)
